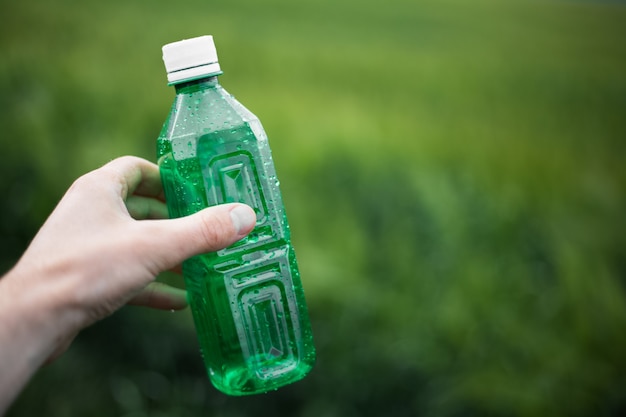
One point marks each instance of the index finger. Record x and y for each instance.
(137, 177)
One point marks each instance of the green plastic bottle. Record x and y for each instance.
(247, 300)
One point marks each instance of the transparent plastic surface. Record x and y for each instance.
(247, 300)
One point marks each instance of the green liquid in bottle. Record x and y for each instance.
(247, 300)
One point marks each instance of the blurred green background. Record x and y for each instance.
(453, 172)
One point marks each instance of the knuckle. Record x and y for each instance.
(84, 182)
(216, 231)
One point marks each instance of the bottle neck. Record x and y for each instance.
(188, 87)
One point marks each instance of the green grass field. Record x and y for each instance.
(453, 172)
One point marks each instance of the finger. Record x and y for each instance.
(161, 296)
(146, 208)
(172, 241)
(137, 176)
(177, 269)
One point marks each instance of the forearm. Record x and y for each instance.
(20, 356)
(29, 334)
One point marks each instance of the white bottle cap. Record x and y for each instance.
(190, 59)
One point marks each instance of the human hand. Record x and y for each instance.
(101, 248)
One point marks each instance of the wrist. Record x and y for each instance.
(37, 316)
(33, 316)
(24, 339)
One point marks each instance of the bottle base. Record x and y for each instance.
(243, 382)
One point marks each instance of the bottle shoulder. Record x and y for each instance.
(204, 111)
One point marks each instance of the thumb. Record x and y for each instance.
(208, 230)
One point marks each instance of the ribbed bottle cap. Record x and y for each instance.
(190, 59)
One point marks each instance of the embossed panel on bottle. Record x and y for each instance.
(265, 313)
(265, 321)
(236, 181)
(234, 177)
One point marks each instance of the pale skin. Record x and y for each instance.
(100, 249)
